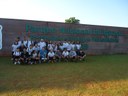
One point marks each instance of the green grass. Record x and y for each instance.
(97, 76)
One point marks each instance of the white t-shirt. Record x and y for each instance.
(29, 50)
(17, 53)
(14, 47)
(25, 43)
(78, 46)
(69, 47)
(51, 54)
(36, 48)
(61, 47)
(29, 43)
(41, 45)
(73, 46)
(19, 43)
(55, 48)
(50, 46)
(65, 53)
(65, 45)
(34, 55)
(72, 53)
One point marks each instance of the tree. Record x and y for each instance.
(72, 20)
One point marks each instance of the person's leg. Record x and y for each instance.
(14, 60)
(57, 59)
(64, 58)
(37, 60)
(27, 60)
(53, 60)
(30, 60)
(70, 59)
(12, 56)
(18, 58)
(34, 60)
(49, 60)
(83, 58)
(74, 59)
(67, 58)
(77, 58)
(22, 60)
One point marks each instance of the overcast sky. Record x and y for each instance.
(94, 12)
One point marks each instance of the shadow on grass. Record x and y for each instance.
(62, 75)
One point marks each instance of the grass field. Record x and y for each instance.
(97, 76)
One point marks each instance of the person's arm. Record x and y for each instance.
(48, 55)
(67, 53)
(84, 55)
(14, 53)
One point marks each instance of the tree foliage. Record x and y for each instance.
(72, 20)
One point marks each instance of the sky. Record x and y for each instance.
(93, 12)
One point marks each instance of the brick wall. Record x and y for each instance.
(95, 39)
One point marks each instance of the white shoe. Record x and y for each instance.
(15, 63)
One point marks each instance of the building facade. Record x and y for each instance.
(94, 39)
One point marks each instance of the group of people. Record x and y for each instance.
(27, 51)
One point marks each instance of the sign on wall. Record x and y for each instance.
(1, 36)
(94, 39)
